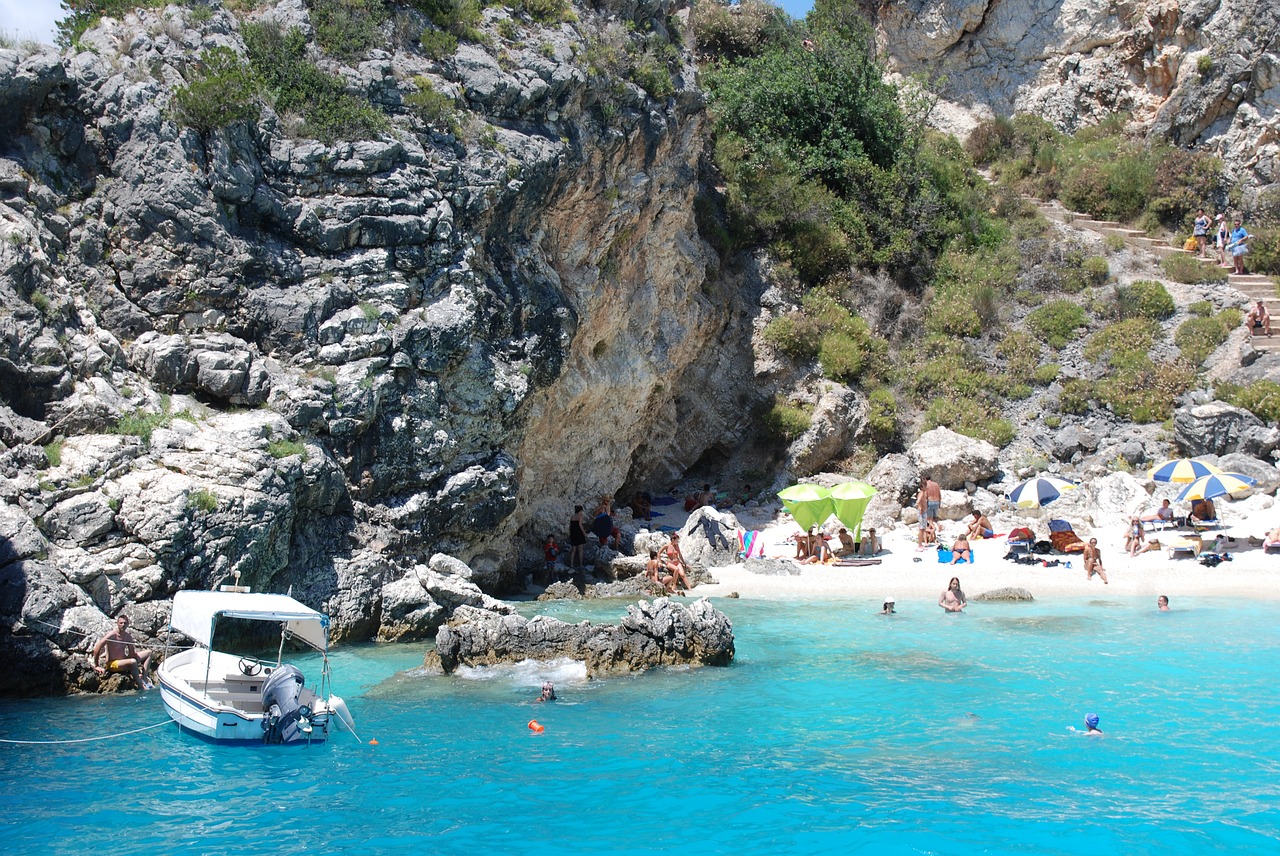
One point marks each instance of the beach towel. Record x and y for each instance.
(750, 544)
(945, 556)
(856, 563)
(1066, 542)
(1269, 546)
(666, 528)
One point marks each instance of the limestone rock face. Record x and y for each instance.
(415, 606)
(326, 362)
(838, 421)
(657, 633)
(952, 459)
(1075, 62)
(1218, 428)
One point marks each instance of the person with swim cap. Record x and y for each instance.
(548, 692)
(888, 607)
(1091, 724)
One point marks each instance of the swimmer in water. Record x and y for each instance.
(548, 692)
(1091, 724)
(1162, 603)
(888, 607)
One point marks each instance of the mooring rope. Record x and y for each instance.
(88, 739)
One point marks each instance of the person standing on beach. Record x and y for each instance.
(953, 599)
(1093, 562)
(1162, 604)
(123, 655)
(928, 501)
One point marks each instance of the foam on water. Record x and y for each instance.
(834, 731)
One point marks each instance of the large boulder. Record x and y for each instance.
(82, 519)
(658, 633)
(896, 478)
(1009, 594)
(414, 606)
(709, 538)
(838, 419)
(1217, 428)
(952, 459)
(1267, 475)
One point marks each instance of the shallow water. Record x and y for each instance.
(835, 731)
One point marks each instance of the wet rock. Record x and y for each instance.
(1009, 594)
(658, 633)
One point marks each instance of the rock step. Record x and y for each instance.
(1163, 251)
(1238, 280)
(1267, 344)
(1098, 225)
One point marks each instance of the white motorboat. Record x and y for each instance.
(224, 697)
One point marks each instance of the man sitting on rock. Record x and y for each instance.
(123, 655)
(980, 527)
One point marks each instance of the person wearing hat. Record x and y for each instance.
(888, 607)
(1220, 238)
(1091, 724)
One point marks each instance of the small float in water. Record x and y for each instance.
(227, 698)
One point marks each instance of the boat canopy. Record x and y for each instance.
(194, 613)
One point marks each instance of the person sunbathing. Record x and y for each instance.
(847, 545)
(819, 552)
(1164, 513)
(960, 550)
(1093, 562)
(980, 526)
(870, 543)
(1203, 509)
(1136, 541)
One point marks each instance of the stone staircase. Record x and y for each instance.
(1255, 286)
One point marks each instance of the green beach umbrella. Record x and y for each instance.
(809, 504)
(850, 500)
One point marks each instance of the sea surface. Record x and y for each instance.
(835, 731)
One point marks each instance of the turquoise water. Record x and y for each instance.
(836, 731)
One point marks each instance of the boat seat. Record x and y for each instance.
(248, 702)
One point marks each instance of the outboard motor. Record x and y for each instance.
(284, 719)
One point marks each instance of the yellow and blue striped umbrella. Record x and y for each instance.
(1182, 471)
(1039, 491)
(1219, 484)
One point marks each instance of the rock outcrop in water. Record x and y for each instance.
(658, 633)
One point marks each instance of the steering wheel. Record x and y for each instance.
(250, 668)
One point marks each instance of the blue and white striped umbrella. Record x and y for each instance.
(1039, 491)
(1182, 470)
(1221, 484)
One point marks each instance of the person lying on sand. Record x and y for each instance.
(960, 551)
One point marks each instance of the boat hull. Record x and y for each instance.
(219, 719)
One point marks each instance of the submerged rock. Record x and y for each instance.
(1009, 594)
(658, 633)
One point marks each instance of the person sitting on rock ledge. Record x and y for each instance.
(123, 655)
(642, 506)
(676, 566)
(653, 571)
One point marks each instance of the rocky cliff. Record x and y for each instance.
(318, 364)
(1198, 73)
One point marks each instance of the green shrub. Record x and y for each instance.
(547, 11)
(952, 314)
(1114, 243)
(847, 349)
(970, 418)
(1144, 299)
(221, 91)
(1045, 374)
(1021, 353)
(41, 303)
(1096, 270)
(1262, 398)
(462, 18)
(1204, 65)
(1075, 396)
(287, 448)
(84, 14)
(882, 414)
(786, 422)
(1264, 251)
(794, 334)
(438, 44)
(348, 29)
(1183, 267)
(730, 32)
(1202, 308)
(203, 501)
(53, 453)
(433, 107)
(1198, 337)
(1145, 392)
(991, 140)
(1056, 322)
(1122, 339)
(1052, 422)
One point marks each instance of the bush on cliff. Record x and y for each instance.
(348, 29)
(1262, 398)
(220, 91)
(83, 14)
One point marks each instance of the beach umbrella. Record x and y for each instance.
(850, 500)
(1221, 484)
(809, 504)
(1038, 491)
(1182, 471)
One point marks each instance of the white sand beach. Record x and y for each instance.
(906, 574)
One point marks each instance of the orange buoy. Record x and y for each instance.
(373, 742)
(536, 727)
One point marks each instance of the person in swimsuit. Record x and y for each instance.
(870, 544)
(653, 572)
(980, 527)
(577, 539)
(953, 599)
(1162, 603)
(1258, 320)
(1164, 513)
(961, 550)
(675, 564)
(888, 607)
(1093, 561)
(123, 655)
